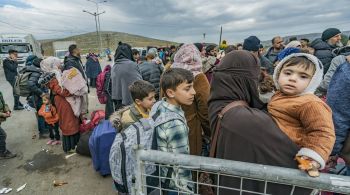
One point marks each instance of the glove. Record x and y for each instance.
(45, 78)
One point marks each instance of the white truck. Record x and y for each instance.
(25, 44)
(60, 48)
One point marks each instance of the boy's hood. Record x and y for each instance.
(116, 117)
(316, 79)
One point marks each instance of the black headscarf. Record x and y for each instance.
(235, 78)
(123, 52)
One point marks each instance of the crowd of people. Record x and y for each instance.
(234, 102)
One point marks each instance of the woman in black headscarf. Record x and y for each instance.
(124, 73)
(247, 133)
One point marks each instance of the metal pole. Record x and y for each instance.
(220, 36)
(326, 182)
(97, 33)
(99, 27)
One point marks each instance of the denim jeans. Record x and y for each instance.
(2, 140)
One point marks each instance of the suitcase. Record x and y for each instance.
(100, 144)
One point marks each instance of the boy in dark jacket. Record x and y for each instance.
(5, 112)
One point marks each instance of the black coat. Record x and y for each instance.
(74, 62)
(323, 51)
(33, 85)
(10, 69)
(93, 67)
(151, 72)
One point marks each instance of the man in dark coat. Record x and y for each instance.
(74, 61)
(10, 68)
(277, 46)
(253, 45)
(151, 72)
(323, 46)
(93, 68)
(37, 92)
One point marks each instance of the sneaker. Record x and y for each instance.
(50, 142)
(7, 155)
(57, 142)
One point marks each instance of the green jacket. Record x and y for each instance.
(3, 108)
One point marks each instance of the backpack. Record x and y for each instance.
(100, 85)
(96, 117)
(100, 143)
(122, 157)
(21, 86)
(83, 144)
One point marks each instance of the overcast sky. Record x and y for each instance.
(175, 20)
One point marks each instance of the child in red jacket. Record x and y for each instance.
(48, 111)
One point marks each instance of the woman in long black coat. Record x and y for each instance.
(247, 133)
(93, 68)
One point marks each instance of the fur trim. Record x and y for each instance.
(316, 79)
(116, 117)
(312, 154)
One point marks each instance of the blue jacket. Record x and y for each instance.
(338, 98)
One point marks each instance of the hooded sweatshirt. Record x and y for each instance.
(305, 118)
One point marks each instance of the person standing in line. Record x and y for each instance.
(10, 68)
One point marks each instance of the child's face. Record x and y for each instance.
(147, 102)
(183, 95)
(45, 100)
(293, 80)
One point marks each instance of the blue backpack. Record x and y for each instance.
(100, 144)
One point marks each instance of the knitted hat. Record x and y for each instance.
(286, 52)
(329, 33)
(316, 78)
(251, 43)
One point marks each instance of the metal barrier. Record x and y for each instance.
(263, 178)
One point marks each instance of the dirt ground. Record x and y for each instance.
(38, 164)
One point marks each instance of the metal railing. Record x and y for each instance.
(264, 179)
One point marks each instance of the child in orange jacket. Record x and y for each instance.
(48, 111)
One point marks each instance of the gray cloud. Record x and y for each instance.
(181, 20)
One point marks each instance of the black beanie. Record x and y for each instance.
(199, 46)
(209, 48)
(329, 33)
(36, 62)
(251, 43)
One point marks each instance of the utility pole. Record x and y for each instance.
(203, 37)
(220, 36)
(98, 19)
(97, 31)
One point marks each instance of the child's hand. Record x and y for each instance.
(8, 113)
(332, 162)
(309, 165)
